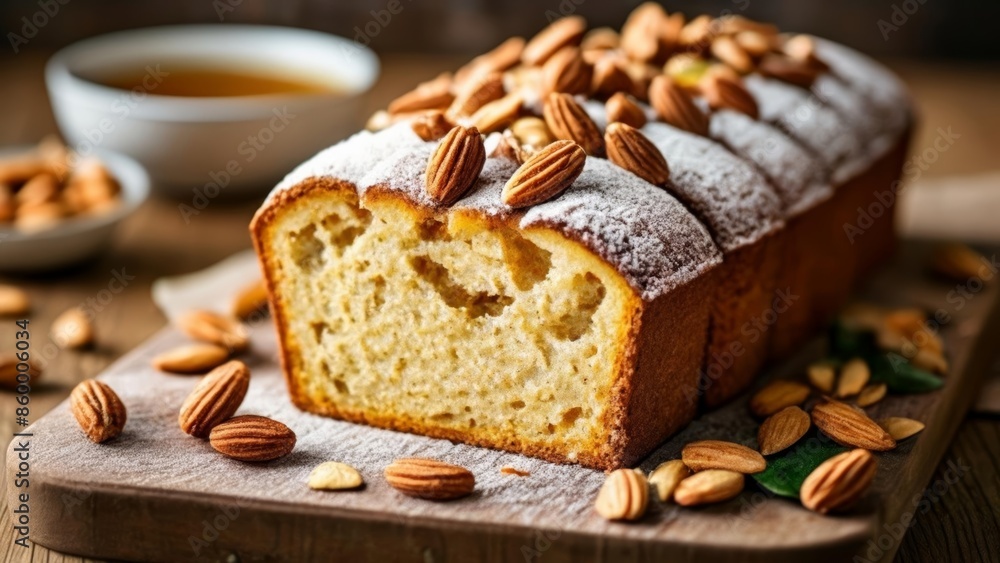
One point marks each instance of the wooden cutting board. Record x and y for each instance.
(155, 493)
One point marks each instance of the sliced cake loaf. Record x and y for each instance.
(496, 263)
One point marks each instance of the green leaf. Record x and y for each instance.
(787, 470)
(847, 343)
(900, 375)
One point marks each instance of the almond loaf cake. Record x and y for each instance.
(571, 244)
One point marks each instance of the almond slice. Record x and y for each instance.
(718, 454)
(777, 395)
(822, 376)
(674, 106)
(782, 429)
(667, 476)
(850, 427)
(624, 495)
(455, 165)
(839, 482)
(334, 476)
(707, 487)
(560, 33)
(631, 150)
(853, 378)
(545, 175)
(568, 120)
(872, 394)
(901, 428)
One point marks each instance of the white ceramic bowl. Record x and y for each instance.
(78, 238)
(218, 145)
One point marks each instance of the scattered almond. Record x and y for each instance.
(14, 301)
(641, 33)
(191, 358)
(213, 328)
(958, 262)
(839, 482)
(854, 375)
(727, 50)
(250, 300)
(667, 476)
(621, 109)
(901, 428)
(431, 125)
(600, 39)
(850, 427)
(697, 32)
(788, 70)
(497, 114)
(475, 95)
(782, 429)
(72, 329)
(9, 364)
(718, 454)
(755, 44)
(545, 175)
(216, 398)
(822, 376)
(252, 438)
(98, 410)
(609, 78)
(630, 149)
(568, 120)
(777, 395)
(707, 487)
(733, 23)
(674, 105)
(872, 394)
(532, 132)
(566, 71)
(501, 58)
(430, 479)
(624, 495)
(334, 476)
(560, 33)
(723, 92)
(455, 165)
(433, 94)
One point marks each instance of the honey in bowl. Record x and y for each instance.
(203, 81)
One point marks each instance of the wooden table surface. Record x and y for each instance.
(957, 520)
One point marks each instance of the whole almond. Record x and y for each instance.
(872, 394)
(216, 398)
(455, 165)
(609, 78)
(777, 395)
(630, 149)
(431, 125)
(429, 479)
(475, 95)
(545, 175)
(497, 114)
(252, 438)
(334, 476)
(433, 94)
(98, 410)
(501, 58)
(667, 476)
(641, 33)
(250, 300)
(727, 50)
(853, 378)
(850, 427)
(697, 33)
(566, 71)
(621, 109)
(568, 120)
(191, 358)
(783, 68)
(822, 376)
(213, 328)
(707, 487)
(839, 482)
(72, 329)
(9, 371)
(674, 106)
(782, 429)
(901, 428)
(723, 92)
(560, 33)
(14, 301)
(624, 495)
(600, 39)
(718, 454)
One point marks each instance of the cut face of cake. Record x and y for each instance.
(492, 263)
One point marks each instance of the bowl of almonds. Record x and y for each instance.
(58, 207)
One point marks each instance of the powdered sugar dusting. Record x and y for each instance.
(727, 193)
(797, 176)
